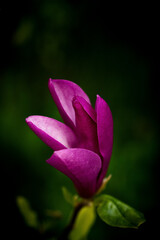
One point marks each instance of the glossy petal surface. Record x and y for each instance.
(86, 128)
(63, 92)
(81, 166)
(104, 132)
(87, 107)
(54, 133)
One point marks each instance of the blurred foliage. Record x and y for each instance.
(80, 42)
(29, 215)
(44, 224)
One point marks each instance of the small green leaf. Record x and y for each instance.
(118, 214)
(68, 196)
(104, 183)
(29, 215)
(84, 222)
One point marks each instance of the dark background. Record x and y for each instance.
(108, 50)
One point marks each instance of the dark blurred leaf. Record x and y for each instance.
(29, 215)
(24, 32)
(118, 214)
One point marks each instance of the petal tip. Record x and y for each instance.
(75, 102)
(32, 118)
(30, 122)
(98, 97)
(48, 161)
(49, 81)
(28, 119)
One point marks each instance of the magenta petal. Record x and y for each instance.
(86, 128)
(63, 92)
(54, 133)
(81, 166)
(87, 107)
(105, 133)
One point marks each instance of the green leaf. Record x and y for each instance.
(83, 223)
(29, 215)
(68, 196)
(118, 214)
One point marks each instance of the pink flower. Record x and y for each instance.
(83, 145)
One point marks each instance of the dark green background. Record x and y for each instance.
(113, 53)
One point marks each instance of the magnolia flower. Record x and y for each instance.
(83, 143)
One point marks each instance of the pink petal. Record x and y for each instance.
(86, 128)
(87, 107)
(54, 133)
(81, 166)
(63, 91)
(105, 133)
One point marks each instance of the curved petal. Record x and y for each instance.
(86, 128)
(81, 166)
(63, 91)
(54, 133)
(105, 133)
(87, 107)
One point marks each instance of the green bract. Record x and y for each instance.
(83, 223)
